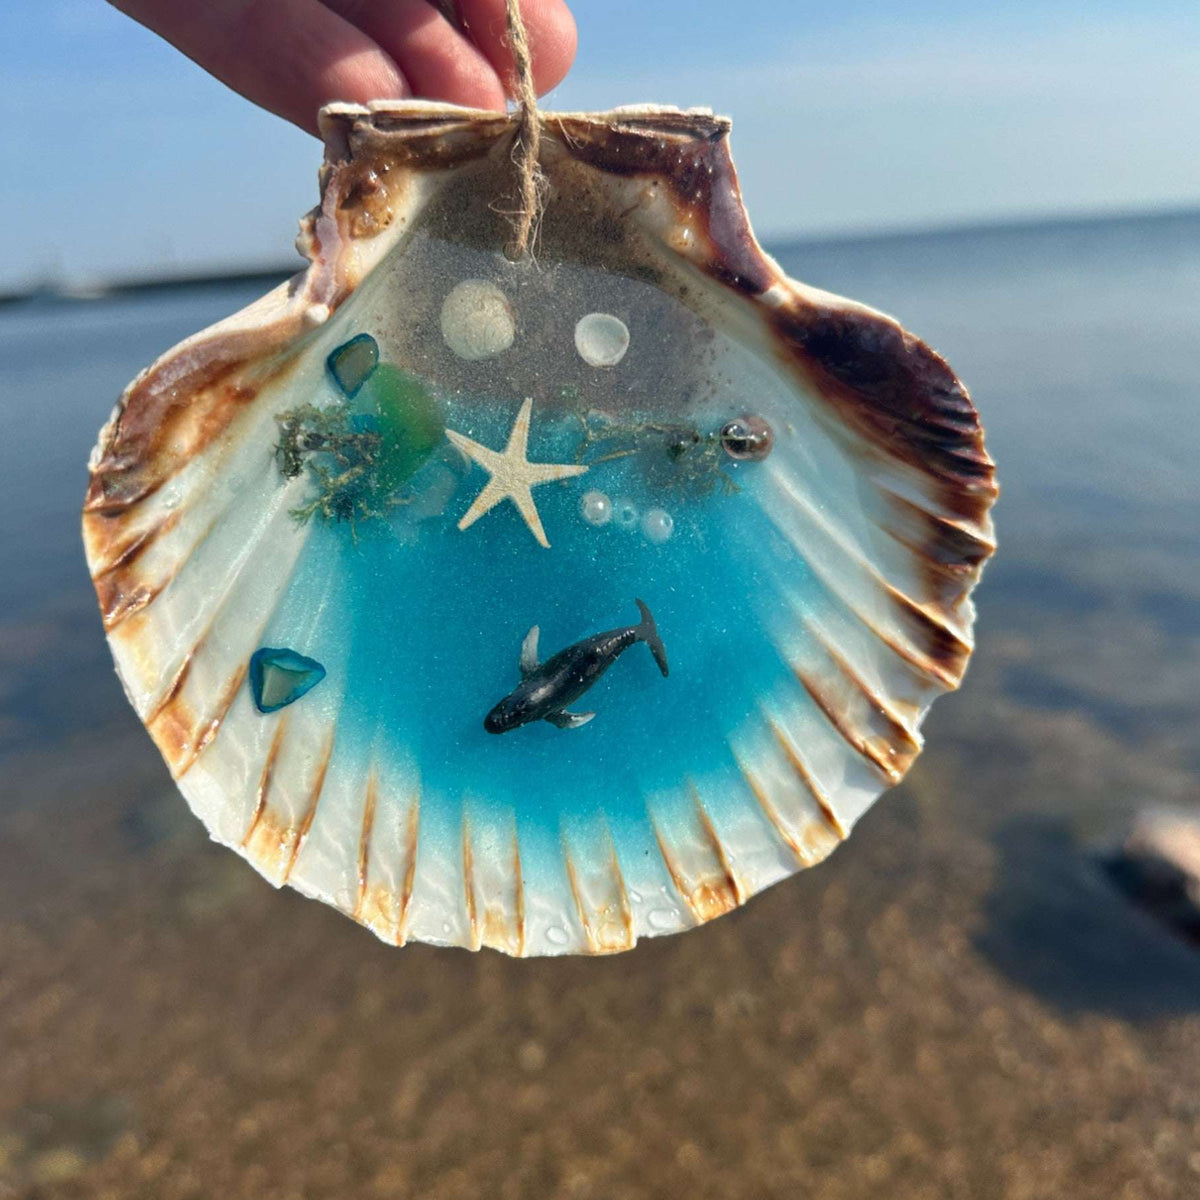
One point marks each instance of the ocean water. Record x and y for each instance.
(957, 1004)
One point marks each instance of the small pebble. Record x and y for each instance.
(1158, 867)
(596, 508)
(625, 513)
(601, 339)
(57, 1166)
(657, 525)
(477, 320)
(531, 1056)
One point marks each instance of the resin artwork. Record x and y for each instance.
(540, 604)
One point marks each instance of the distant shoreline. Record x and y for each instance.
(84, 291)
(270, 275)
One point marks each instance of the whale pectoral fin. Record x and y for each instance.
(529, 651)
(569, 720)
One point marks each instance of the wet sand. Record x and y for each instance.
(933, 1013)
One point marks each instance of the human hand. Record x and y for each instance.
(292, 56)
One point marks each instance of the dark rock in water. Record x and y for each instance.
(279, 677)
(46, 1147)
(1158, 867)
(1054, 925)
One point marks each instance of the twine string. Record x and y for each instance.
(532, 183)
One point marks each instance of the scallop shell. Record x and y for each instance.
(813, 600)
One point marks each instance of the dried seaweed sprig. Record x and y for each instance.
(309, 430)
(342, 461)
(676, 455)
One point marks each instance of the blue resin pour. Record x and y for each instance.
(424, 629)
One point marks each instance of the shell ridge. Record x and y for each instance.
(774, 819)
(796, 761)
(734, 883)
(314, 799)
(226, 696)
(364, 841)
(264, 779)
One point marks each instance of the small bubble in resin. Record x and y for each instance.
(601, 339)
(477, 320)
(625, 513)
(657, 525)
(596, 508)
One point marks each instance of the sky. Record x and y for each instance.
(119, 158)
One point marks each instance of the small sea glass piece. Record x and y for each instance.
(417, 451)
(412, 424)
(279, 677)
(352, 363)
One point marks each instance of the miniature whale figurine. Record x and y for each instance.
(545, 690)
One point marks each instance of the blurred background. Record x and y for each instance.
(125, 160)
(992, 990)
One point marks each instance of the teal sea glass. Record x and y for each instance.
(279, 677)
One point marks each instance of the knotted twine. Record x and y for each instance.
(532, 183)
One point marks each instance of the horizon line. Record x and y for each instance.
(86, 288)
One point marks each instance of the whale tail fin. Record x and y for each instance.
(647, 632)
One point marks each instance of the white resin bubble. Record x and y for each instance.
(601, 339)
(477, 320)
(625, 513)
(596, 508)
(657, 525)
